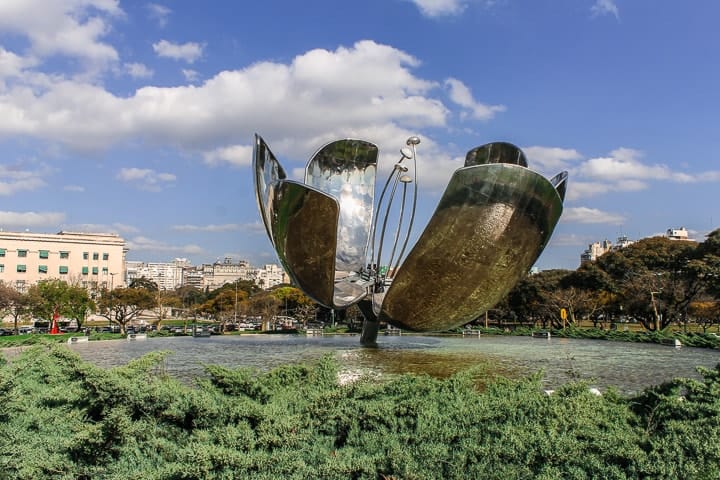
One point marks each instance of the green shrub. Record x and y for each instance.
(61, 417)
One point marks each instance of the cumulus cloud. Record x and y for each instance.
(591, 215)
(188, 52)
(159, 13)
(138, 70)
(30, 219)
(605, 7)
(551, 158)
(74, 29)
(147, 244)
(626, 164)
(439, 8)
(227, 227)
(145, 178)
(367, 88)
(461, 95)
(21, 177)
(190, 75)
(237, 155)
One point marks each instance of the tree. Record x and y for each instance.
(265, 304)
(49, 296)
(123, 305)
(77, 304)
(13, 303)
(655, 280)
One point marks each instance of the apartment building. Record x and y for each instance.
(167, 275)
(90, 260)
(597, 249)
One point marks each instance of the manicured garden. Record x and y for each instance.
(61, 417)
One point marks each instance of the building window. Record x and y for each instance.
(21, 268)
(63, 270)
(42, 268)
(84, 270)
(2, 268)
(20, 286)
(105, 271)
(96, 256)
(2, 252)
(44, 254)
(86, 255)
(64, 254)
(95, 270)
(106, 256)
(22, 253)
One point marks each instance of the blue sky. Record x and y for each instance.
(138, 117)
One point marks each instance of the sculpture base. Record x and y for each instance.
(368, 337)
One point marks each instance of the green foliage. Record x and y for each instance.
(61, 417)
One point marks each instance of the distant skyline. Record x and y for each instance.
(138, 117)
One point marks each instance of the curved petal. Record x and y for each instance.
(491, 225)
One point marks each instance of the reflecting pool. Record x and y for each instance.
(628, 366)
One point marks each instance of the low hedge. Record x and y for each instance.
(64, 418)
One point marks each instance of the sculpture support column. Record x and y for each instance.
(371, 325)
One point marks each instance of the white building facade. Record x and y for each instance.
(90, 260)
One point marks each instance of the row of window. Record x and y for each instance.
(63, 270)
(46, 254)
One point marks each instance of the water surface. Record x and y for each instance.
(628, 366)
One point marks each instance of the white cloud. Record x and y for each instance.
(145, 178)
(188, 52)
(238, 155)
(190, 75)
(74, 188)
(138, 70)
(605, 7)
(228, 227)
(147, 244)
(23, 176)
(590, 215)
(30, 219)
(100, 228)
(439, 8)
(159, 13)
(71, 28)
(321, 94)
(625, 164)
(461, 95)
(551, 158)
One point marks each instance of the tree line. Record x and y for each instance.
(123, 305)
(655, 282)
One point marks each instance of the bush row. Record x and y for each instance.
(61, 417)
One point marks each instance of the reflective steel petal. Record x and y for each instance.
(492, 223)
(346, 169)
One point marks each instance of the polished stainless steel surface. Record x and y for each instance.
(492, 223)
(496, 152)
(345, 170)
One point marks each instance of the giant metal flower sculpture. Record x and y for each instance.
(490, 226)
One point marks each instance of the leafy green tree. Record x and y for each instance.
(266, 305)
(13, 303)
(49, 296)
(655, 280)
(77, 304)
(123, 305)
(144, 282)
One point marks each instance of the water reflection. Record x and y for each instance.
(628, 366)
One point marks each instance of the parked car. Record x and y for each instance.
(5, 331)
(25, 330)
